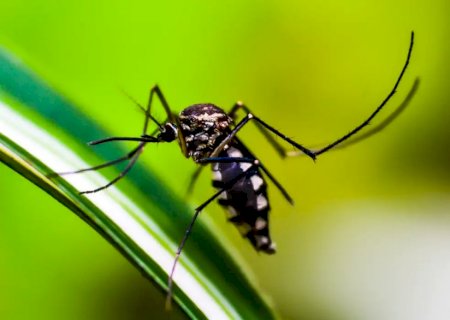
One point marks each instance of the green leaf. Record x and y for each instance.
(144, 221)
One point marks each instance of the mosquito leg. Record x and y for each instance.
(143, 138)
(194, 218)
(277, 184)
(147, 112)
(193, 180)
(133, 160)
(275, 144)
(378, 109)
(257, 164)
(156, 90)
(379, 127)
(271, 177)
(249, 117)
(197, 172)
(229, 160)
(280, 150)
(134, 154)
(171, 117)
(386, 121)
(101, 166)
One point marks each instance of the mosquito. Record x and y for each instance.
(208, 134)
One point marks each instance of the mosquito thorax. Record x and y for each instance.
(203, 126)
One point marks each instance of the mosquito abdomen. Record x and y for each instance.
(246, 201)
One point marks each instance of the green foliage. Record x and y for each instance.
(368, 223)
(144, 223)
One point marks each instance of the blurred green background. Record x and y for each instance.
(369, 236)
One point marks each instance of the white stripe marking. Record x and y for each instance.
(257, 182)
(244, 166)
(260, 223)
(231, 212)
(234, 153)
(262, 240)
(217, 176)
(223, 195)
(261, 202)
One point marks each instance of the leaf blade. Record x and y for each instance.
(206, 264)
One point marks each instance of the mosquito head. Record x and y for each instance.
(168, 132)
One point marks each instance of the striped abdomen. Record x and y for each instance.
(246, 201)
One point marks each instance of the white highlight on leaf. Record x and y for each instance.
(120, 209)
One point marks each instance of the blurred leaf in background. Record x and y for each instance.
(368, 237)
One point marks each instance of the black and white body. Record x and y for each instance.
(204, 127)
(208, 135)
(246, 202)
